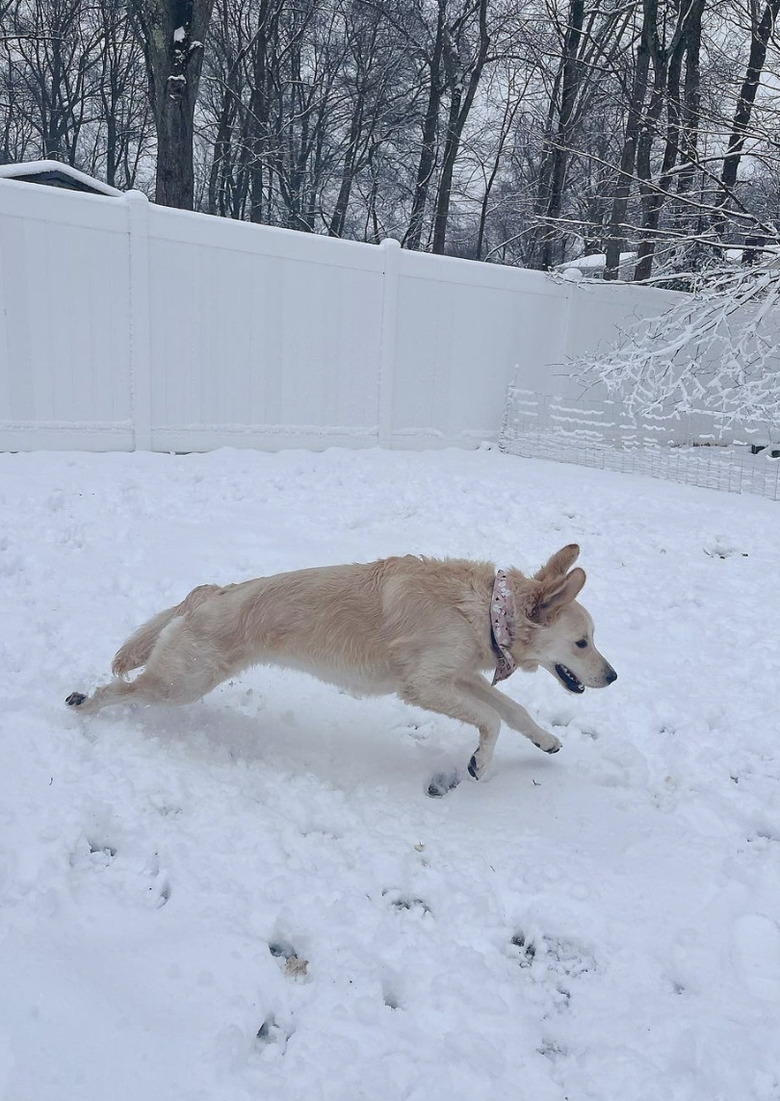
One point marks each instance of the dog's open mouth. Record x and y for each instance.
(568, 679)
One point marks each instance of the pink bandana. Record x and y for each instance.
(502, 625)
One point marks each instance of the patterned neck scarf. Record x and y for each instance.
(502, 626)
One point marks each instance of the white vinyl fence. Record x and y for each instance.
(126, 325)
(699, 448)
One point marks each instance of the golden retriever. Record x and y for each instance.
(423, 628)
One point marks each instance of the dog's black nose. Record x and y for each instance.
(611, 676)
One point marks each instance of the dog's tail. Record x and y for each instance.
(135, 652)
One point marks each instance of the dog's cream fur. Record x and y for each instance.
(418, 627)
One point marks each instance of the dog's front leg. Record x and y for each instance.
(448, 697)
(513, 714)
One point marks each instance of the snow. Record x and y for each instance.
(599, 925)
(593, 264)
(35, 168)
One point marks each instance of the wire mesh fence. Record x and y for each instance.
(697, 448)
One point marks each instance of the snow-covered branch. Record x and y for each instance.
(716, 349)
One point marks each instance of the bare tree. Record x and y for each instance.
(763, 18)
(431, 53)
(54, 67)
(464, 63)
(172, 34)
(589, 40)
(523, 134)
(73, 86)
(668, 60)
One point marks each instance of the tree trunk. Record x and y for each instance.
(339, 217)
(691, 107)
(413, 235)
(460, 106)
(553, 174)
(760, 33)
(172, 35)
(667, 62)
(616, 238)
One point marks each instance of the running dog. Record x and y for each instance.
(423, 628)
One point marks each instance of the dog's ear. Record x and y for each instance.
(555, 593)
(560, 563)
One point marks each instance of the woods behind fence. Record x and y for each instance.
(491, 129)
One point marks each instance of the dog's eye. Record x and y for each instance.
(582, 643)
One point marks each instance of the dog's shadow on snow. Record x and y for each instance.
(340, 745)
(204, 730)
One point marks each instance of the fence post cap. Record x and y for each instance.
(136, 196)
(390, 242)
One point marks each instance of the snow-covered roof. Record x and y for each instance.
(56, 174)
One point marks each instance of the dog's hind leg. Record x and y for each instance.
(181, 668)
(512, 713)
(135, 652)
(448, 697)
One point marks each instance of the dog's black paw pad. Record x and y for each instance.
(554, 749)
(441, 783)
(473, 768)
(75, 699)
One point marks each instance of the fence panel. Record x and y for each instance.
(257, 343)
(64, 321)
(124, 324)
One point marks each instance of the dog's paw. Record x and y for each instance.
(475, 768)
(75, 699)
(549, 743)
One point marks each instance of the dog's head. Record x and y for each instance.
(562, 641)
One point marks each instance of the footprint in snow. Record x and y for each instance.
(390, 996)
(293, 965)
(757, 949)
(271, 1033)
(552, 1050)
(401, 901)
(442, 782)
(721, 549)
(555, 962)
(95, 854)
(159, 890)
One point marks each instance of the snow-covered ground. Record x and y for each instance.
(253, 897)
